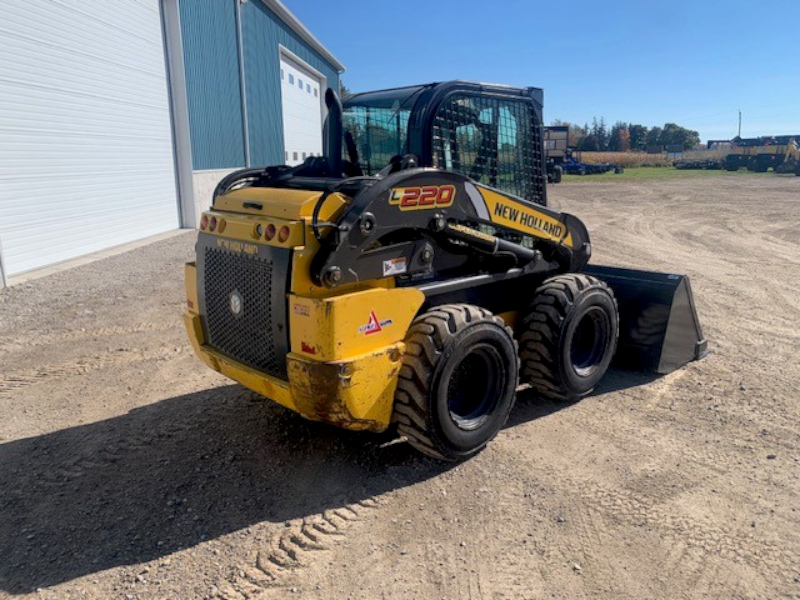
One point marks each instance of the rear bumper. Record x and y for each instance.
(353, 394)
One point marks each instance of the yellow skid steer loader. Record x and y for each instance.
(414, 275)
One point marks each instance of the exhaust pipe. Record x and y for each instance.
(333, 133)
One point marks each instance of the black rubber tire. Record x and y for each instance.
(558, 173)
(569, 336)
(619, 170)
(450, 349)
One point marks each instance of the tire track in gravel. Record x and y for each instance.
(14, 382)
(706, 540)
(296, 547)
(15, 343)
(95, 454)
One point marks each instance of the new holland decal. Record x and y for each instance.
(422, 197)
(374, 325)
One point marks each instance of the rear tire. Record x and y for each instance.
(458, 381)
(569, 336)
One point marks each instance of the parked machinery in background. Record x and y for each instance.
(574, 165)
(762, 153)
(556, 146)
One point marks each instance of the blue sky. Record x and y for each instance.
(695, 63)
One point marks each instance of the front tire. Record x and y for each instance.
(569, 336)
(458, 381)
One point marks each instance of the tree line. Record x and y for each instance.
(624, 137)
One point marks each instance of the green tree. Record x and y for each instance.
(619, 138)
(344, 93)
(638, 136)
(654, 137)
(591, 143)
(576, 135)
(599, 132)
(674, 134)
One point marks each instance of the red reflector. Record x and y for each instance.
(204, 222)
(190, 304)
(283, 234)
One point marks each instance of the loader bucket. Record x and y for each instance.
(658, 326)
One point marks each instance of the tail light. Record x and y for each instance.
(204, 222)
(283, 234)
(270, 233)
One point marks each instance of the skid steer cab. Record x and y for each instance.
(414, 276)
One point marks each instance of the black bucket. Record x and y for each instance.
(658, 326)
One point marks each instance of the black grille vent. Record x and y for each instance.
(248, 336)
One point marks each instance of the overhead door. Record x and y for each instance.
(86, 158)
(301, 98)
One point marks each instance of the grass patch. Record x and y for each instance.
(650, 173)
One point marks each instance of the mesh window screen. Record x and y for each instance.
(492, 140)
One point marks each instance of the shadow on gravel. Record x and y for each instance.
(617, 380)
(177, 472)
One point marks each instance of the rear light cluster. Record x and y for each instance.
(268, 232)
(212, 224)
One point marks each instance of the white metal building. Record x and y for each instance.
(115, 125)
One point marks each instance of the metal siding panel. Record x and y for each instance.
(86, 155)
(263, 32)
(211, 60)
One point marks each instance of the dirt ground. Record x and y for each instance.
(129, 470)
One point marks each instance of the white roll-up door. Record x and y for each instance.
(301, 99)
(86, 155)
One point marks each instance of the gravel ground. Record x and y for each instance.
(129, 470)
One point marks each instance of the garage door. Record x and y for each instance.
(86, 158)
(301, 98)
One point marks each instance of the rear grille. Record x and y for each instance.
(248, 336)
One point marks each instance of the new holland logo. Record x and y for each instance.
(374, 325)
(236, 303)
